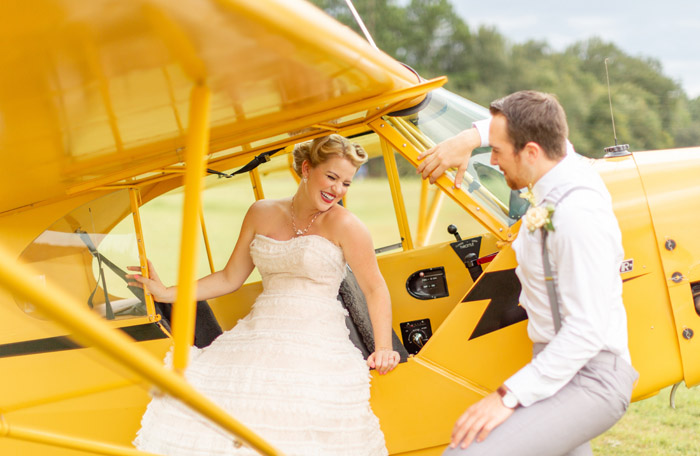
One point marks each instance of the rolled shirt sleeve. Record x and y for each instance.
(482, 126)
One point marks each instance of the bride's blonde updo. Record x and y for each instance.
(321, 149)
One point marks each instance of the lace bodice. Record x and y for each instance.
(307, 265)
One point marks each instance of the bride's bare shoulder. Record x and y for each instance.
(267, 211)
(341, 220)
(269, 206)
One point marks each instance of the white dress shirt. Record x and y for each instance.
(585, 251)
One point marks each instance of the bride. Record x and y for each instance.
(288, 369)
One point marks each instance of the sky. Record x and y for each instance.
(666, 30)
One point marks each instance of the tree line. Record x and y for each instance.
(652, 111)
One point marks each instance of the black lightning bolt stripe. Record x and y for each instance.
(503, 289)
(140, 333)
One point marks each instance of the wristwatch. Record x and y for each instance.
(507, 397)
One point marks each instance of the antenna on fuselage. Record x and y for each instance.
(616, 150)
(359, 21)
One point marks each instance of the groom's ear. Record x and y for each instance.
(533, 152)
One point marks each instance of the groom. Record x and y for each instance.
(580, 380)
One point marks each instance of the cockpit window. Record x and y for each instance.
(446, 115)
(87, 258)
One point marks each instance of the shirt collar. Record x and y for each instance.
(551, 179)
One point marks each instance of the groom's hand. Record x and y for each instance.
(453, 152)
(479, 420)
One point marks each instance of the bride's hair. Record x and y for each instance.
(321, 149)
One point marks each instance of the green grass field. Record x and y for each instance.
(650, 427)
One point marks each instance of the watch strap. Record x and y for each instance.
(507, 397)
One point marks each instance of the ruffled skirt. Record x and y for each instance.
(289, 372)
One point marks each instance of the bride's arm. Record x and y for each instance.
(358, 250)
(239, 265)
(227, 280)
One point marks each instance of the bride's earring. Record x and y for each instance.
(305, 179)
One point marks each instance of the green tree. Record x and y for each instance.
(688, 132)
(651, 110)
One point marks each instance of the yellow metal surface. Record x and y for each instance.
(434, 451)
(670, 184)
(427, 212)
(652, 340)
(431, 218)
(64, 441)
(396, 195)
(418, 404)
(143, 259)
(99, 91)
(257, 184)
(184, 308)
(422, 213)
(205, 238)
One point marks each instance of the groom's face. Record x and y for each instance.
(503, 154)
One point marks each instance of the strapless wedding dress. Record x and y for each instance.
(287, 370)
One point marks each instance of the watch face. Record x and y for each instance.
(509, 400)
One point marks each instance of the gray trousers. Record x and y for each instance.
(594, 400)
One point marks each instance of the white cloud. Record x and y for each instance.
(584, 27)
(686, 71)
(506, 24)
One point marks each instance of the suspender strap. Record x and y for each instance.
(548, 276)
(549, 282)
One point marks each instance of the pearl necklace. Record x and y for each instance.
(297, 231)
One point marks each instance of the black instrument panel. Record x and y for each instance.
(428, 283)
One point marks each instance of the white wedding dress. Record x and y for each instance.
(287, 370)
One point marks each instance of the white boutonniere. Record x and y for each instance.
(537, 217)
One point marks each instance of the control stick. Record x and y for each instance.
(453, 231)
(471, 259)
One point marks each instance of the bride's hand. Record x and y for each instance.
(383, 360)
(153, 285)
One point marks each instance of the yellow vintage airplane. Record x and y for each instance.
(108, 106)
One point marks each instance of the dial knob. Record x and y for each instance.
(418, 338)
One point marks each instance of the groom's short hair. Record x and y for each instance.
(534, 117)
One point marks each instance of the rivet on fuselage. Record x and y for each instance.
(677, 277)
(688, 334)
(670, 244)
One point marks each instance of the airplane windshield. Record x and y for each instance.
(446, 115)
(82, 254)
